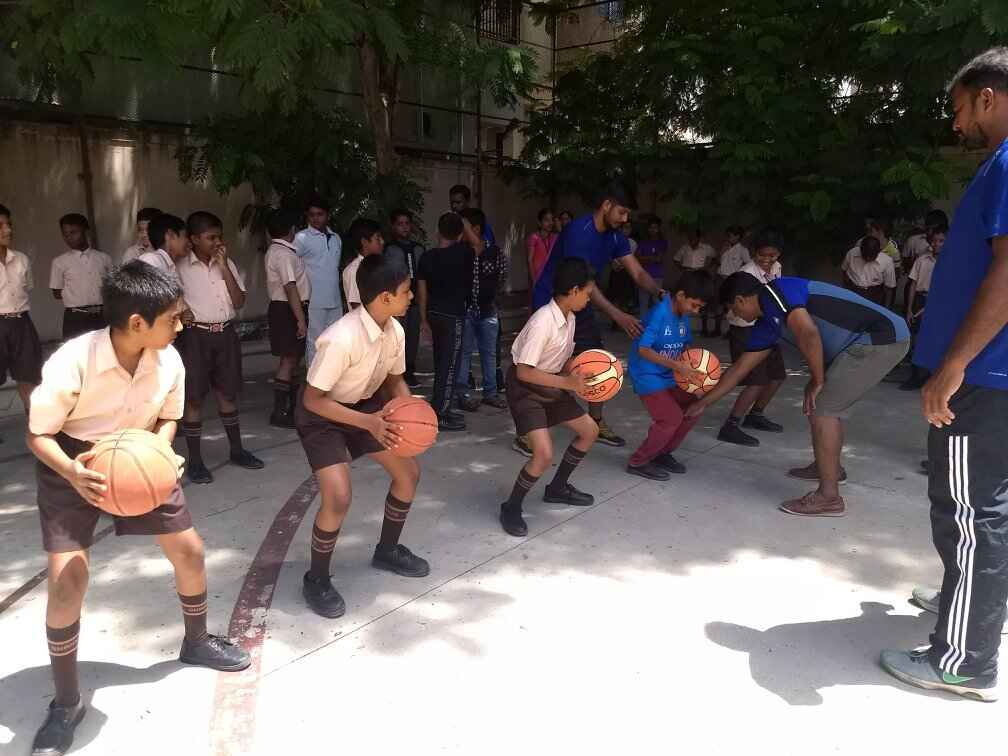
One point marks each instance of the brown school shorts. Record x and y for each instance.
(68, 522)
(20, 350)
(283, 330)
(212, 360)
(327, 443)
(771, 369)
(535, 407)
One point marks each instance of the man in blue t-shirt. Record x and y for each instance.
(596, 237)
(655, 365)
(850, 345)
(964, 342)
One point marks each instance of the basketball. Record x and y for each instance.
(418, 422)
(602, 370)
(706, 362)
(140, 470)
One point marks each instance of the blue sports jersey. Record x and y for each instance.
(666, 333)
(843, 317)
(981, 216)
(581, 239)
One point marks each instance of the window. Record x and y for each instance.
(612, 11)
(501, 20)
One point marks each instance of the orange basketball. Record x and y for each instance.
(603, 371)
(706, 362)
(418, 421)
(140, 470)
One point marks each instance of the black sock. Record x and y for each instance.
(732, 420)
(233, 430)
(395, 519)
(322, 544)
(571, 459)
(193, 432)
(281, 396)
(194, 614)
(522, 486)
(63, 658)
(292, 397)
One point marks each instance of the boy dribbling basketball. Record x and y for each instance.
(358, 367)
(125, 376)
(539, 394)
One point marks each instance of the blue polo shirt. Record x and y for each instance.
(981, 216)
(581, 239)
(321, 255)
(843, 317)
(666, 333)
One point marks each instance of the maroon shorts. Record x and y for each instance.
(212, 360)
(68, 521)
(534, 407)
(20, 350)
(327, 443)
(771, 369)
(283, 338)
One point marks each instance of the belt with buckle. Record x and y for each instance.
(212, 327)
(90, 309)
(12, 315)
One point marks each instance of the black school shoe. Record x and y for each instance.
(281, 419)
(198, 472)
(322, 597)
(216, 653)
(567, 495)
(670, 463)
(469, 403)
(730, 433)
(759, 421)
(448, 423)
(400, 560)
(56, 734)
(649, 471)
(513, 522)
(245, 458)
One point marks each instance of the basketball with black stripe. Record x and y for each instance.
(706, 362)
(140, 470)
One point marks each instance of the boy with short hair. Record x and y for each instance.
(143, 244)
(539, 393)
(920, 284)
(75, 278)
(20, 348)
(656, 365)
(408, 252)
(290, 292)
(358, 368)
(364, 238)
(869, 272)
(321, 250)
(169, 244)
(459, 199)
(214, 292)
(696, 254)
(124, 376)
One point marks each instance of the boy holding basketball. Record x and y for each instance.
(656, 365)
(539, 393)
(124, 376)
(358, 367)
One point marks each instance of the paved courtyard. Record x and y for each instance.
(686, 616)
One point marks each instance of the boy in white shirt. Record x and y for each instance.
(869, 272)
(364, 237)
(20, 348)
(920, 284)
(143, 218)
(169, 244)
(76, 278)
(698, 255)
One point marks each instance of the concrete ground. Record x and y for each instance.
(682, 614)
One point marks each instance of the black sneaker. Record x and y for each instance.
(400, 560)
(281, 420)
(568, 495)
(521, 445)
(496, 401)
(607, 437)
(216, 653)
(759, 421)
(248, 460)
(322, 597)
(411, 380)
(198, 473)
(670, 463)
(513, 522)
(730, 433)
(56, 734)
(469, 403)
(457, 416)
(649, 471)
(448, 423)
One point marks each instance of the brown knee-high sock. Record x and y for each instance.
(63, 658)
(193, 432)
(322, 544)
(571, 459)
(194, 613)
(523, 484)
(395, 518)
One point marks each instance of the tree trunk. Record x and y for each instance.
(378, 106)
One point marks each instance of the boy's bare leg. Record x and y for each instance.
(404, 474)
(335, 492)
(766, 395)
(24, 391)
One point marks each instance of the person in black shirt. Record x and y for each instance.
(481, 327)
(404, 249)
(445, 278)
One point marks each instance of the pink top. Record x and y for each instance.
(539, 249)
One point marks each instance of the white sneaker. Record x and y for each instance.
(928, 598)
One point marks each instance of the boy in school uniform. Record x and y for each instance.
(169, 244)
(869, 272)
(321, 249)
(20, 348)
(539, 393)
(357, 369)
(124, 376)
(214, 292)
(290, 292)
(143, 244)
(445, 282)
(655, 365)
(920, 284)
(75, 278)
(407, 251)
(364, 238)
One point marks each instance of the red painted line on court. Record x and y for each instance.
(232, 727)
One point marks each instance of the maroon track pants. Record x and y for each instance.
(669, 426)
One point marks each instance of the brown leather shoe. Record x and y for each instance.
(814, 504)
(811, 472)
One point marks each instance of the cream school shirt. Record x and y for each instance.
(921, 272)
(15, 282)
(695, 258)
(547, 340)
(283, 266)
(79, 275)
(162, 261)
(878, 272)
(205, 290)
(350, 281)
(763, 277)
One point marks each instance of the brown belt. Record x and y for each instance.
(212, 327)
(12, 315)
